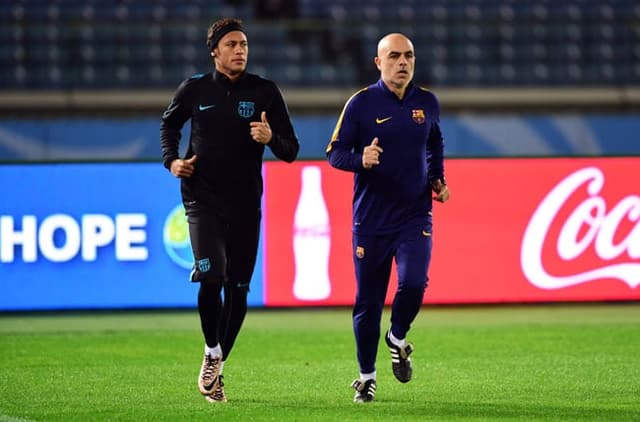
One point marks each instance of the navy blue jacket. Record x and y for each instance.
(396, 193)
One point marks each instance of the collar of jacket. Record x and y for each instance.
(223, 80)
(390, 93)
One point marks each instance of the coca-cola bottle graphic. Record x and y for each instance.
(311, 239)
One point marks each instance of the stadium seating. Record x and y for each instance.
(121, 44)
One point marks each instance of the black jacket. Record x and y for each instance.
(227, 173)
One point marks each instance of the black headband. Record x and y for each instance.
(224, 31)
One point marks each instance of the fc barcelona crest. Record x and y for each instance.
(204, 265)
(418, 115)
(246, 109)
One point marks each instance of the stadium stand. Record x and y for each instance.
(120, 44)
(87, 57)
(70, 69)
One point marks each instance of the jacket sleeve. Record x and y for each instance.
(173, 119)
(284, 142)
(342, 151)
(435, 148)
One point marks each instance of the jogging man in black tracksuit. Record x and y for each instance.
(234, 114)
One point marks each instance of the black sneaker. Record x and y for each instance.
(365, 390)
(400, 360)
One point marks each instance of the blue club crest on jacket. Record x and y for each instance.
(204, 265)
(246, 109)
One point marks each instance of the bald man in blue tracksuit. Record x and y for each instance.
(389, 135)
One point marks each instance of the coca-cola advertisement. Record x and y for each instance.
(514, 230)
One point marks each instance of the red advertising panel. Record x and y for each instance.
(515, 230)
(307, 240)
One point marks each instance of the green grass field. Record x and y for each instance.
(564, 362)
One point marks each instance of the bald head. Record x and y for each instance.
(393, 40)
(396, 62)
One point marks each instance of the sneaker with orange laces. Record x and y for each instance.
(218, 395)
(208, 380)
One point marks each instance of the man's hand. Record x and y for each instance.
(261, 131)
(371, 154)
(441, 190)
(183, 168)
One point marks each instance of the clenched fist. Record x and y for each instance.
(441, 190)
(371, 154)
(183, 168)
(261, 131)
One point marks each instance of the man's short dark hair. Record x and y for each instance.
(220, 28)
